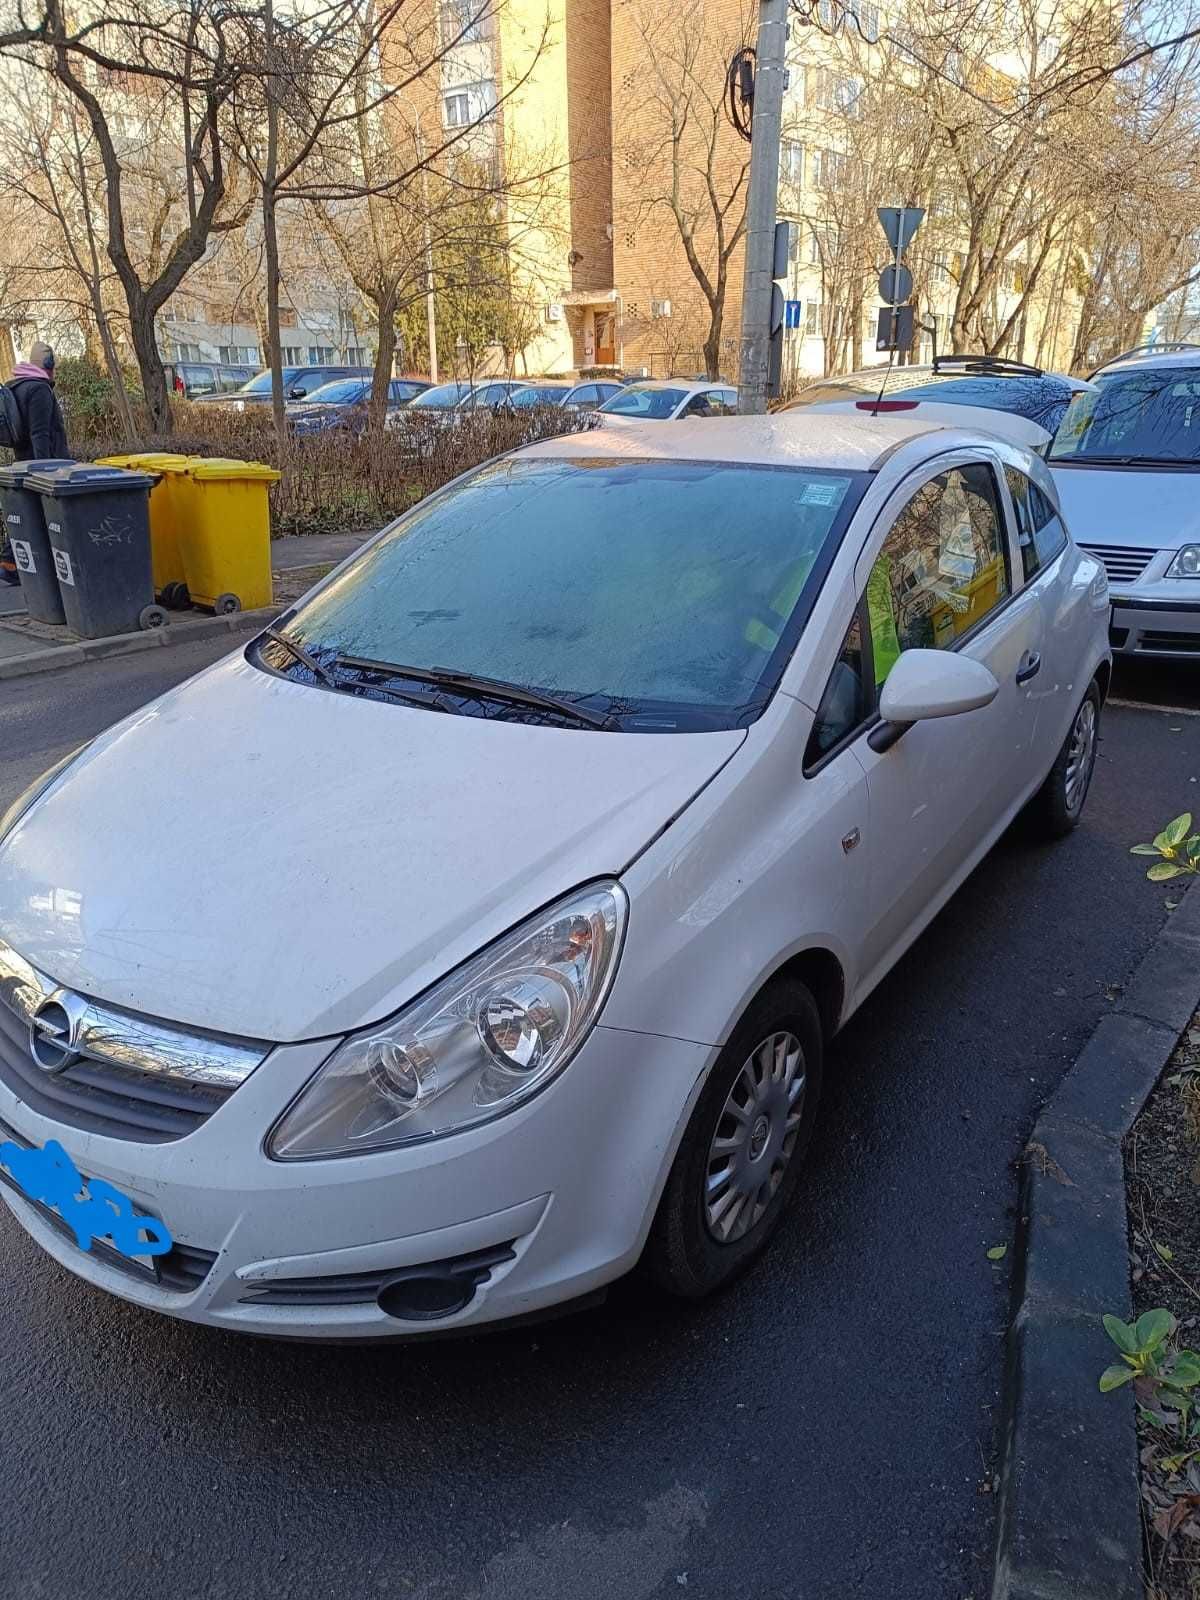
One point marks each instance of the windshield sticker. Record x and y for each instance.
(91, 1208)
(828, 492)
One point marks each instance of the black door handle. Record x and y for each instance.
(1030, 667)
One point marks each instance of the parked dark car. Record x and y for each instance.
(194, 380)
(343, 404)
(298, 383)
(591, 394)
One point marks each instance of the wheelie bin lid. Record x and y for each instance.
(212, 468)
(13, 476)
(86, 477)
(149, 461)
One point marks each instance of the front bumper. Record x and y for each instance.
(1145, 626)
(547, 1204)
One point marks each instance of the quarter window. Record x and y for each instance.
(844, 704)
(942, 568)
(1040, 532)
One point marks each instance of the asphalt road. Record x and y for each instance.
(823, 1431)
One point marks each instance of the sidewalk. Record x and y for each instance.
(297, 562)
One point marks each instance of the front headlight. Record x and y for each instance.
(34, 793)
(479, 1043)
(1186, 563)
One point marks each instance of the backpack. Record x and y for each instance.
(12, 423)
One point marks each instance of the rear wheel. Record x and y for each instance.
(742, 1151)
(1058, 804)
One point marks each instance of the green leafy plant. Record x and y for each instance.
(1177, 850)
(1163, 1376)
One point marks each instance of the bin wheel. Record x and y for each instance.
(152, 617)
(175, 596)
(224, 604)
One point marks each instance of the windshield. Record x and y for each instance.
(526, 399)
(441, 398)
(262, 383)
(340, 392)
(1134, 416)
(1043, 400)
(666, 595)
(657, 404)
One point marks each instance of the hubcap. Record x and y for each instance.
(1081, 753)
(754, 1138)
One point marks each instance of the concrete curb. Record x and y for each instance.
(1068, 1514)
(60, 656)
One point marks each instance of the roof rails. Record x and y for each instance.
(1146, 349)
(988, 364)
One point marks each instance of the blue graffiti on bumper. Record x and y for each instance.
(91, 1207)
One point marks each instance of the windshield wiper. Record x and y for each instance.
(484, 688)
(300, 654)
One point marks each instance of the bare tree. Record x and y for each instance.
(692, 170)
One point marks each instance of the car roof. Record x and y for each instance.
(1145, 360)
(684, 385)
(794, 439)
(870, 379)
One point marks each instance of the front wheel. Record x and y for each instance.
(1058, 804)
(743, 1147)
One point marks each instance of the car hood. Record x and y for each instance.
(1148, 508)
(265, 858)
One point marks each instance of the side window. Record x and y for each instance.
(942, 568)
(1040, 532)
(586, 396)
(700, 406)
(844, 704)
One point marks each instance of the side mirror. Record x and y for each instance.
(929, 683)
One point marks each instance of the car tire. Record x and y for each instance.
(1058, 805)
(748, 1127)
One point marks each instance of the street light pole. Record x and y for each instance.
(430, 313)
(762, 205)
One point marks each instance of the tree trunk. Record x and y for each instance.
(274, 352)
(712, 345)
(150, 367)
(384, 355)
(271, 229)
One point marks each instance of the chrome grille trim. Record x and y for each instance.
(1123, 563)
(123, 1039)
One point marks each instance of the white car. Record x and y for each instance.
(1126, 460)
(1019, 402)
(477, 931)
(669, 400)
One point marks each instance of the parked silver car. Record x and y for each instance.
(1126, 459)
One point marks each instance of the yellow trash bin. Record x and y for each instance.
(168, 506)
(225, 533)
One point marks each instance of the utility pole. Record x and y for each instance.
(430, 314)
(761, 205)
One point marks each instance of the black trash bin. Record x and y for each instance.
(26, 530)
(98, 523)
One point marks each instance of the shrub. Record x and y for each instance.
(334, 481)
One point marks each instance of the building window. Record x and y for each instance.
(828, 169)
(291, 355)
(867, 18)
(471, 103)
(464, 21)
(321, 355)
(186, 352)
(833, 91)
(791, 163)
(356, 356)
(812, 319)
(239, 355)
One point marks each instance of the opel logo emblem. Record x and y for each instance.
(52, 1035)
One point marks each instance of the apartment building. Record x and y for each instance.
(625, 97)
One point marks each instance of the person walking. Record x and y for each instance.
(43, 435)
